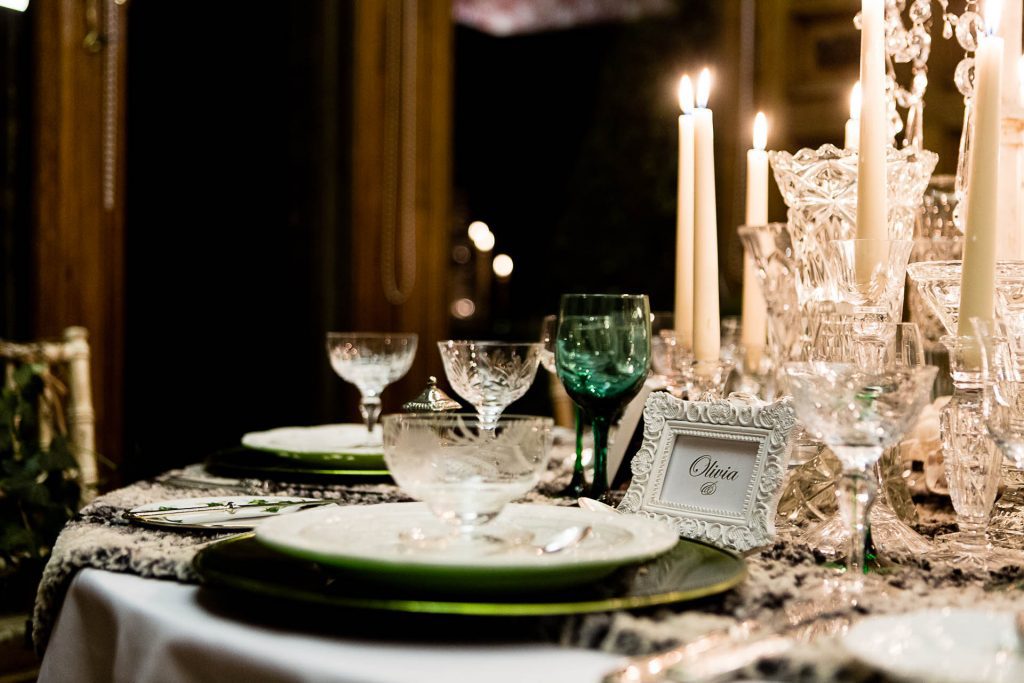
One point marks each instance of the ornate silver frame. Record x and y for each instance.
(665, 419)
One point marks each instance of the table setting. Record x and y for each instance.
(828, 490)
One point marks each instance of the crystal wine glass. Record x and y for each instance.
(858, 411)
(371, 361)
(466, 469)
(549, 340)
(870, 343)
(603, 358)
(489, 374)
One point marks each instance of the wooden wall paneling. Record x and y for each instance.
(402, 146)
(78, 250)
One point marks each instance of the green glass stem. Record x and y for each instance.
(599, 487)
(578, 484)
(856, 494)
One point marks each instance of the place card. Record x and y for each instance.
(713, 469)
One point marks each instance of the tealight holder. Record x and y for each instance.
(869, 276)
(670, 359)
(705, 380)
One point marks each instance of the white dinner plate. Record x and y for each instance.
(366, 540)
(944, 646)
(335, 445)
(244, 519)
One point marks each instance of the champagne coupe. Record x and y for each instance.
(466, 469)
(859, 406)
(488, 374)
(549, 340)
(871, 343)
(371, 361)
(603, 358)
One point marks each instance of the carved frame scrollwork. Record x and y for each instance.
(666, 418)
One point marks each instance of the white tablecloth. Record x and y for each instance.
(120, 627)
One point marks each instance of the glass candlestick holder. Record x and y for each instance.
(705, 380)
(971, 459)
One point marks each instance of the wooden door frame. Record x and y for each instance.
(401, 175)
(78, 190)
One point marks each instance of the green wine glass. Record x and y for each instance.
(602, 357)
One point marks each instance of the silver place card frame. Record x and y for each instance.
(712, 469)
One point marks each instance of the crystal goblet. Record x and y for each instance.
(871, 344)
(858, 412)
(489, 374)
(371, 361)
(549, 340)
(466, 469)
(603, 359)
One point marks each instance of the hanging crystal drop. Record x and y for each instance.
(914, 136)
(969, 28)
(963, 77)
(962, 163)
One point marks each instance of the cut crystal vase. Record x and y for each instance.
(820, 188)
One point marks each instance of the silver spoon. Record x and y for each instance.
(565, 539)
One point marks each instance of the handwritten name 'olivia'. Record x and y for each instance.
(704, 466)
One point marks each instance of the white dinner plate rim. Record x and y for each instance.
(650, 539)
(857, 640)
(263, 440)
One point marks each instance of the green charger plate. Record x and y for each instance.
(242, 463)
(689, 571)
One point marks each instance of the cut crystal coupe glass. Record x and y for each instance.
(371, 361)
(466, 470)
(488, 374)
(858, 412)
(872, 345)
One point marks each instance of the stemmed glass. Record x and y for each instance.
(371, 361)
(549, 340)
(870, 343)
(488, 374)
(603, 358)
(466, 470)
(858, 409)
(1002, 356)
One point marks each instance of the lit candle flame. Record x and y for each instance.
(760, 131)
(686, 94)
(855, 102)
(703, 88)
(993, 12)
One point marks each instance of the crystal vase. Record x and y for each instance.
(820, 188)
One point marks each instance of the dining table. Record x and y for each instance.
(123, 602)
